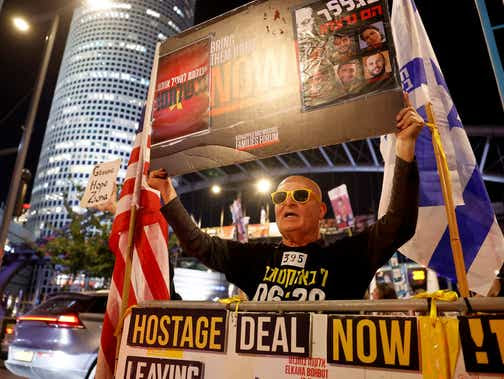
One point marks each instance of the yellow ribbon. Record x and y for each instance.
(230, 300)
(444, 295)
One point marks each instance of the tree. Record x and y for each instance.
(82, 245)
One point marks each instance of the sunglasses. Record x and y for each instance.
(301, 195)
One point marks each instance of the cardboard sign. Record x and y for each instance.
(101, 185)
(373, 341)
(482, 341)
(178, 328)
(142, 367)
(272, 77)
(391, 335)
(341, 206)
(272, 334)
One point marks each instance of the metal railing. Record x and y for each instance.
(478, 304)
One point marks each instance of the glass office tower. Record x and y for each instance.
(97, 104)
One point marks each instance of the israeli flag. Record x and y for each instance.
(481, 237)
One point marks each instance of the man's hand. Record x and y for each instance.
(409, 124)
(159, 180)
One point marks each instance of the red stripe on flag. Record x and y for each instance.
(152, 273)
(148, 214)
(128, 187)
(108, 342)
(146, 168)
(135, 155)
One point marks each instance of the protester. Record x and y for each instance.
(384, 291)
(302, 266)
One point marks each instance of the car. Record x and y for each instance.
(59, 338)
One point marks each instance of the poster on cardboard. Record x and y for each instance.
(340, 202)
(343, 51)
(253, 94)
(101, 185)
(181, 104)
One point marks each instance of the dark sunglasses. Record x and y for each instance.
(301, 195)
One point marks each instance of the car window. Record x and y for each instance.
(99, 305)
(64, 305)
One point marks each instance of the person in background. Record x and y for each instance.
(384, 291)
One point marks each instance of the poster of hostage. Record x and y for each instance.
(343, 51)
(251, 83)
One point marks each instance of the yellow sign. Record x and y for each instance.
(177, 328)
(373, 341)
(482, 341)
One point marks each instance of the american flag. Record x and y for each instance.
(150, 274)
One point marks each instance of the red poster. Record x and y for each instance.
(181, 105)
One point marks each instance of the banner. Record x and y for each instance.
(338, 346)
(270, 78)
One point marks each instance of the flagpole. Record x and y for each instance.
(133, 210)
(446, 187)
(127, 277)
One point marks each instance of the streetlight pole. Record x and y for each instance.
(25, 139)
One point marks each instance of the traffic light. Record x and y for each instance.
(23, 188)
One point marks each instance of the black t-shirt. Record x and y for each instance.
(340, 270)
(266, 272)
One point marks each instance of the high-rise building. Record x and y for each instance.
(102, 84)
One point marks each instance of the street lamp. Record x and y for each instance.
(216, 189)
(21, 24)
(25, 139)
(263, 185)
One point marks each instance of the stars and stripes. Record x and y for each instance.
(150, 274)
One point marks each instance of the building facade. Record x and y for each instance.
(102, 84)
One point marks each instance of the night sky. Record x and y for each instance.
(453, 27)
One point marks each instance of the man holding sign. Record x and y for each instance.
(302, 267)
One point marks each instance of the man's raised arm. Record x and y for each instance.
(398, 225)
(212, 251)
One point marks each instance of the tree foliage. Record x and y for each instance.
(82, 245)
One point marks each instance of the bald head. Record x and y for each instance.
(303, 182)
(299, 223)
